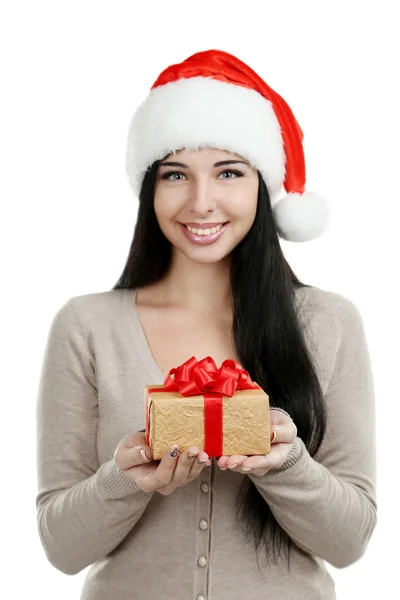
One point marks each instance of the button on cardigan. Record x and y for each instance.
(146, 545)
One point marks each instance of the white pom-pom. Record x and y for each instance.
(301, 217)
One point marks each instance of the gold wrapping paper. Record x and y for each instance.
(176, 419)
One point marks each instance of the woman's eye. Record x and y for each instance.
(170, 175)
(231, 172)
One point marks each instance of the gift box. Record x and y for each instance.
(221, 411)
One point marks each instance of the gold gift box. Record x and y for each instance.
(176, 419)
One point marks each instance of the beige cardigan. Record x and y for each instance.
(184, 546)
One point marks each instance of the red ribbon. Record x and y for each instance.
(194, 378)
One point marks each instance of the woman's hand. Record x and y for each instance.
(284, 433)
(175, 469)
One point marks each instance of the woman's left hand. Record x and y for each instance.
(283, 434)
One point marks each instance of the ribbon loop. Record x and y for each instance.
(203, 377)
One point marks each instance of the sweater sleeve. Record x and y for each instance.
(84, 510)
(327, 503)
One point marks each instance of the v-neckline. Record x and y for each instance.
(141, 343)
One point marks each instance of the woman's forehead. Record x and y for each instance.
(208, 153)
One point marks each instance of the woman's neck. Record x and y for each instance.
(201, 287)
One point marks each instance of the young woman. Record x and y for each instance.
(209, 151)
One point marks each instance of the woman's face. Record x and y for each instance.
(214, 193)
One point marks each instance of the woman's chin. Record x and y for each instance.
(203, 255)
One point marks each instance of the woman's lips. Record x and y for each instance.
(203, 239)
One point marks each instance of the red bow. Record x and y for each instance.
(194, 378)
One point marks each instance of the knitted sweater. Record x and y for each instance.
(185, 546)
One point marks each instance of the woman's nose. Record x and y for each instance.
(202, 197)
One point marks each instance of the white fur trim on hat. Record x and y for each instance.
(204, 112)
(301, 217)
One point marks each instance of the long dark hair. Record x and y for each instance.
(267, 336)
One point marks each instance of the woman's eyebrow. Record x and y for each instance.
(217, 164)
(221, 163)
(173, 164)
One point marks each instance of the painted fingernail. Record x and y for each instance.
(192, 454)
(174, 451)
(233, 466)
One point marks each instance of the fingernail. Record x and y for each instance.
(233, 466)
(174, 451)
(192, 454)
(208, 463)
(144, 455)
(223, 468)
(246, 469)
(201, 461)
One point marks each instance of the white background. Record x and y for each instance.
(72, 74)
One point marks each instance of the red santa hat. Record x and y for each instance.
(212, 99)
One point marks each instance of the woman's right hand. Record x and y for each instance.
(134, 458)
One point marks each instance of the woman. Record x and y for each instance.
(208, 153)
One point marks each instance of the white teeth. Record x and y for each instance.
(204, 231)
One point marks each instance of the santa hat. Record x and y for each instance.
(212, 99)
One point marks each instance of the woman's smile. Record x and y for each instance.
(201, 235)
